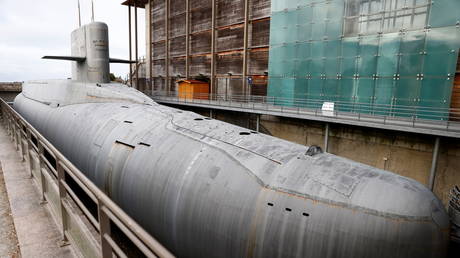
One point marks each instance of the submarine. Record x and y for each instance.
(206, 188)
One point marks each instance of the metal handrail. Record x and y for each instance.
(108, 211)
(417, 115)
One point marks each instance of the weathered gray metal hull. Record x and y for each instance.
(205, 190)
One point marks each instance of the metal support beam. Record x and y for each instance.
(213, 46)
(167, 79)
(326, 138)
(187, 39)
(258, 124)
(136, 45)
(245, 47)
(130, 47)
(150, 58)
(434, 163)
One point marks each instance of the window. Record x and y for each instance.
(374, 16)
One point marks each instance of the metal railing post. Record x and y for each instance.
(29, 149)
(62, 196)
(104, 229)
(41, 166)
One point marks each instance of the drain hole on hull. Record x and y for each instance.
(288, 209)
(270, 204)
(254, 132)
(124, 107)
(128, 122)
(245, 133)
(198, 119)
(207, 118)
(144, 144)
(305, 214)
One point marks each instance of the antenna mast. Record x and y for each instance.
(79, 14)
(92, 10)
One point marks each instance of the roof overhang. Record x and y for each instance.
(138, 3)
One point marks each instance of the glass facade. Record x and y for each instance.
(370, 55)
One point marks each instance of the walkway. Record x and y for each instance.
(423, 126)
(37, 233)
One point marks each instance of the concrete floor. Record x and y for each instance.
(37, 233)
(9, 246)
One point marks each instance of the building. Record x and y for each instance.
(389, 67)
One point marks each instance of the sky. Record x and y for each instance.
(30, 29)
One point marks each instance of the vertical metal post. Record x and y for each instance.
(29, 156)
(41, 167)
(136, 47)
(434, 163)
(167, 79)
(150, 46)
(245, 47)
(326, 138)
(104, 229)
(130, 48)
(187, 39)
(258, 123)
(62, 195)
(213, 47)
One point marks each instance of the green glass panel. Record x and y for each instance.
(303, 33)
(291, 34)
(364, 95)
(332, 48)
(410, 65)
(440, 64)
(435, 94)
(286, 92)
(367, 66)
(334, 30)
(346, 94)
(348, 67)
(278, 5)
(383, 100)
(274, 84)
(315, 86)
(413, 42)
(335, 10)
(330, 89)
(304, 68)
(368, 45)
(387, 65)
(320, 11)
(303, 50)
(301, 88)
(443, 39)
(390, 44)
(331, 67)
(406, 95)
(318, 31)
(350, 47)
(289, 51)
(317, 49)
(279, 20)
(317, 67)
(305, 15)
(444, 13)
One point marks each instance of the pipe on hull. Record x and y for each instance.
(205, 188)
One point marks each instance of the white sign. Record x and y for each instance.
(328, 109)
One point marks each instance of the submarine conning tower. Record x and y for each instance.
(90, 52)
(91, 41)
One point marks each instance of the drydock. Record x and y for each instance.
(95, 168)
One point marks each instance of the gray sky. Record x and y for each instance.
(30, 29)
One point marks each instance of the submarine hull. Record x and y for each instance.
(205, 188)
